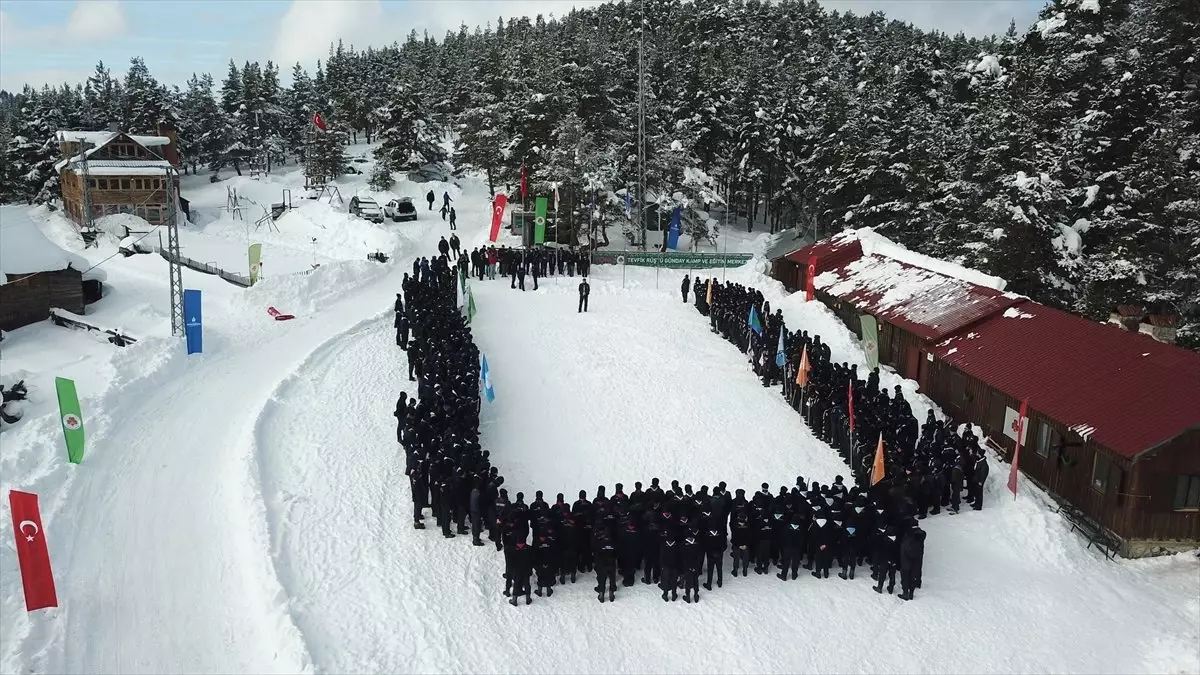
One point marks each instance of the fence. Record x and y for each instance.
(671, 260)
(235, 279)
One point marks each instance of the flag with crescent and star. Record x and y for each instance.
(498, 205)
(72, 418)
(32, 552)
(486, 378)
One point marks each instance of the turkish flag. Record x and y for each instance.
(32, 554)
(1012, 474)
(319, 123)
(810, 290)
(524, 184)
(497, 215)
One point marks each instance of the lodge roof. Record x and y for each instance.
(99, 139)
(1127, 391)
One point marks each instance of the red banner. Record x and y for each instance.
(32, 554)
(1012, 474)
(497, 215)
(318, 122)
(524, 184)
(810, 290)
(850, 405)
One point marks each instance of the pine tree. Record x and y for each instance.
(144, 102)
(103, 100)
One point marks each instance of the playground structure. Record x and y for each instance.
(276, 211)
(323, 192)
(233, 203)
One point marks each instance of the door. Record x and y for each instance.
(912, 362)
(923, 364)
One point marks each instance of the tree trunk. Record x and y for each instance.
(491, 183)
(237, 166)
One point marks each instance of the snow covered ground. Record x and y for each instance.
(245, 510)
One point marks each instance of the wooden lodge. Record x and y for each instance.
(1113, 431)
(124, 173)
(36, 275)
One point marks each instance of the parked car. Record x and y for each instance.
(366, 208)
(400, 209)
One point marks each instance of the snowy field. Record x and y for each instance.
(245, 510)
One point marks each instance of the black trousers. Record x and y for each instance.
(582, 304)
(716, 560)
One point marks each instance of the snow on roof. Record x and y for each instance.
(24, 249)
(874, 243)
(99, 138)
(136, 167)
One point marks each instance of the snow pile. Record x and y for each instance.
(1048, 28)
(874, 243)
(119, 225)
(24, 249)
(988, 64)
(1014, 313)
(1089, 6)
(925, 295)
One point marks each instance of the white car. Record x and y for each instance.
(400, 209)
(366, 208)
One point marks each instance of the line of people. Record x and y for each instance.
(927, 467)
(670, 537)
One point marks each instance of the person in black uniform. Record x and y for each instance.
(401, 330)
(606, 563)
(912, 557)
(668, 554)
(520, 567)
(715, 543)
(691, 554)
(685, 286)
(585, 289)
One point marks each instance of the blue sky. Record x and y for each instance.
(59, 41)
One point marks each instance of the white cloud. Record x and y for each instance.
(308, 27)
(96, 20)
(90, 21)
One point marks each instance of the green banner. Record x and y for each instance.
(255, 262)
(870, 340)
(470, 306)
(539, 221)
(72, 418)
(672, 260)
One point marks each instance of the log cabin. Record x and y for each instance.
(1113, 430)
(36, 275)
(125, 174)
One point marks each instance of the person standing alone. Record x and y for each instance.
(584, 290)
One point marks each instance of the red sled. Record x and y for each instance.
(279, 316)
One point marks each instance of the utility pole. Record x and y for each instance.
(641, 192)
(87, 222)
(175, 269)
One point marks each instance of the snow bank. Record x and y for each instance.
(24, 249)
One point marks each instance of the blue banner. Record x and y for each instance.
(191, 321)
(673, 233)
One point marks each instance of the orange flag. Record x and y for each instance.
(708, 300)
(802, 371)
(877, 470)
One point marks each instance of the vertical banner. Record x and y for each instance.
(802, 371)
(870, 340)
(809, 288)
(470, 306)
(486, 378)
(497, 215)
(1012, 474)
(255, 254)
(673, 233)
(878, 467)
(72, 418)
(539, 221)
(524, 184)
(33, 556)
(191, 321)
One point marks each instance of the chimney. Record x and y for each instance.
(170, 151)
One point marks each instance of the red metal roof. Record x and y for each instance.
(923, 302)
(831, 253)
(1125, 390)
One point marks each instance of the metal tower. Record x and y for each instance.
(175, 270)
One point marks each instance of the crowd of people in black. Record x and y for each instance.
(675, 537)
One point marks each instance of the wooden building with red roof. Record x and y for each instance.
(1114, 414)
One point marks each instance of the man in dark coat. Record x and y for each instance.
(520, 567)
(430, 197)
(668, 556)
(912, 557)
(444, 247)
(476, 508)
(402, 330)
(685, 286)
(979, 476)
(585, 289)
(715, 543)
(606, 563)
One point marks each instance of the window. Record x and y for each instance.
(1187, 493)
(1047, 438)
(125, 184)
(154, 214)
(1100, 472)
(136, 183)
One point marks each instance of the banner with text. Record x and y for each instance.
(673, 260)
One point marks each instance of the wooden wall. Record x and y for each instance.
(29, 301)
(790, 274)
(1135, 500)
(147, 202)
